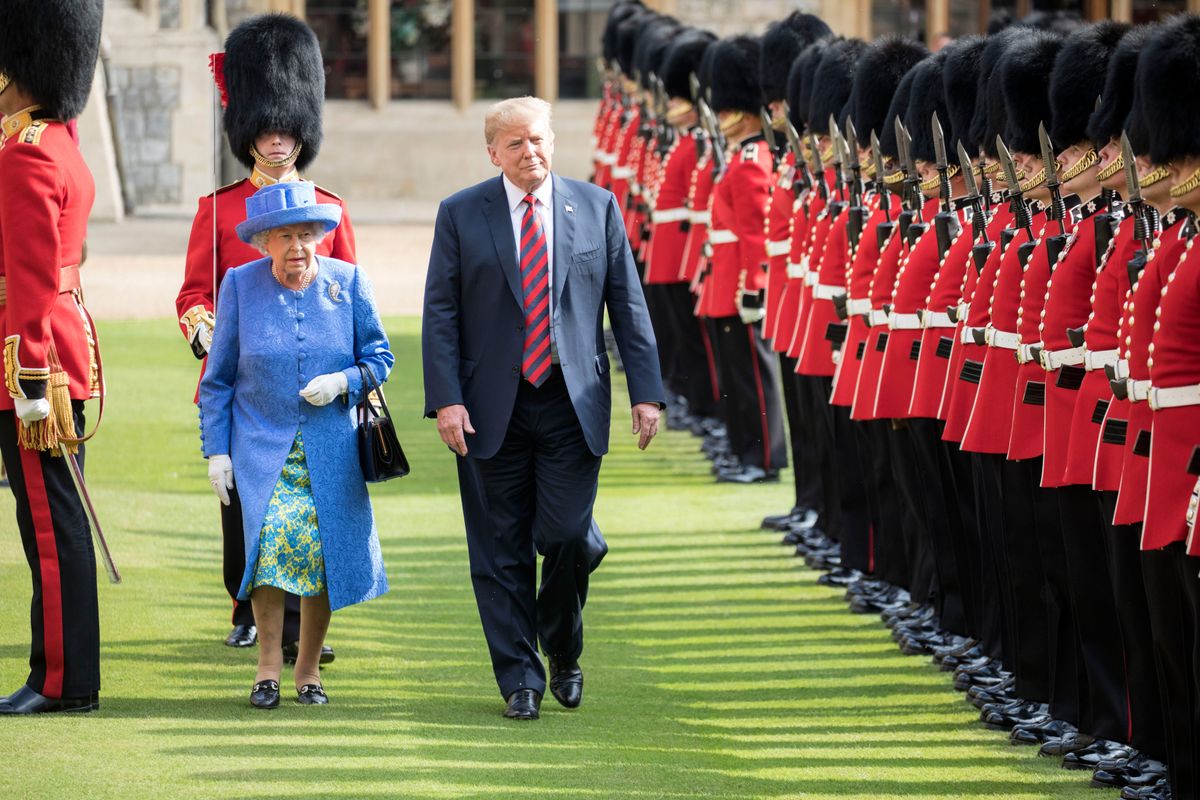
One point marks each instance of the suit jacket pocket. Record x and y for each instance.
(466, 367)
(601, 363)
(587, 252)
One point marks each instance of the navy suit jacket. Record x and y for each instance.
(472, 333)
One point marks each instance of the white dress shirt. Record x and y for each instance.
(544, 208)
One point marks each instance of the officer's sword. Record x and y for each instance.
(114, 576)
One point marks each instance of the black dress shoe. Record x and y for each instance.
(523, 704)
(312, 694)
(839, 577)
(265, 694)
(26, 701)
(1159, 791)
(242, 636)
(748, 474)
(1041, 733)
(1089, 758)
(1070, 743)
(291, 651)
(1137, 772)
(566, 682)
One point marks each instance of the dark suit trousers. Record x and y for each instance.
(64, 653)
(535, 495)
(233, 568)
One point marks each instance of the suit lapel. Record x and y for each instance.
(564, 237)
(500, 221)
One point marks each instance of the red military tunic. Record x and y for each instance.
(858, 303)
(699, 217)
(937, 329)
(806, 229)
(668, 231)
(866, 384)
(780, 218)
(738, 234)
(1110, 293)
(989, 428)
(45, 188)
(828, 279)
(914, 279)
(194, 303)
(1067, 306)
(623, 166)
(1175, 375)
(1138, 326)
(606, 148)
(639, 158)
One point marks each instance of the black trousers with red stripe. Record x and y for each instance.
(64, 616)
(695, 366)
(749, 378)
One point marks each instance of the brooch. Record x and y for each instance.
(335, 292)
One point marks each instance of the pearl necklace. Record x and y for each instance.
(305, 279)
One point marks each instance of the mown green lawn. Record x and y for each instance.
(716, 668)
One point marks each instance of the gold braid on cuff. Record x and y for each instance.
(286, 161)
(1188, 186)
(1085, 162)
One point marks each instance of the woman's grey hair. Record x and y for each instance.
(259, 240)
(513, 111)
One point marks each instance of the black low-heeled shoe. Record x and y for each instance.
(265, 694)
(312, 694)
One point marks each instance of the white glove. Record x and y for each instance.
(204, 336)
(220, 475)
(322, 389)
(31, 411)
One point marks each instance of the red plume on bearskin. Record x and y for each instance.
(216, 63)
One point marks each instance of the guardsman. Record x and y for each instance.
(48, 51)
(733, 292)
(781, 45)
(608, 118)
(625, 140)
(274, 81)
(667, 294)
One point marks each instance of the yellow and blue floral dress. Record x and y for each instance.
(289, 546)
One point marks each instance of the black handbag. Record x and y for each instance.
(379, 450)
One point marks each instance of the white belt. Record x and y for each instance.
(701, 217)
(963, 310)
(608, 159)
(621, 173)
(1121, 369)
(796, 271)
(810, 278)
(722, 237)
(1099, 359)
(903, 322)
(669, 215)
(968, 334)
(778, 248)
(936, 319)
(797, 204)
(1174, 397)
(635, 188)
(876, 316)
(1025, 353)
(827, 291)
(1138, 390)
(1002, 339)
(861, 305)
(1071, 357)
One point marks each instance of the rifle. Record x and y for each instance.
(1057, 210)
(911, 214)
(764, 115)
(856, 217)
(1016, 196)
(835, 147)
(718, 139)
(945, 223)
(793, 138)
(883, 230)
(982, 247)
(817, 166)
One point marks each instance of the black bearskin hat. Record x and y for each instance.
(960, 79)
(49, 48)
(882, 65)
(616, 15)
(734, 76)
(988, 120)
(1078, 79)
(275, 80)
(682, 59)
(1168, 74)
(800, 81)
(888, 147)
(1022, 77)
(928, 95)
(833, 82)
(628, 31)
(1062, 23)
(1107, 121)
(652, 46)
(782, 42)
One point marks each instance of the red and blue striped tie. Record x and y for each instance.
(535, 284)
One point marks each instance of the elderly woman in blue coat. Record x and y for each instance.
(277, 410)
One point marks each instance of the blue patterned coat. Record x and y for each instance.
(268, 343)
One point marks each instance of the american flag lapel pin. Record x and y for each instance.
(567, 207)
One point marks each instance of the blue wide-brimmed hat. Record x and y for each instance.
(288, 203)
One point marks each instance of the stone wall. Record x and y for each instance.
(147, 98)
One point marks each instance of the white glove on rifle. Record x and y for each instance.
(322, 389)
(31, 411)
(220, 475)
(204, 336)
(753, 311)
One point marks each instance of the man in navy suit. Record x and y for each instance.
(522, 270)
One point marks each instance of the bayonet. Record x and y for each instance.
(818, 167)
(943, 164)
(1142, 226)
(694, 85)
(1021, 217)
(1057, 210)
(885, 199)
(793, 138)
(835, 147)
(856, 185)
(769, 133)
(982, 247)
